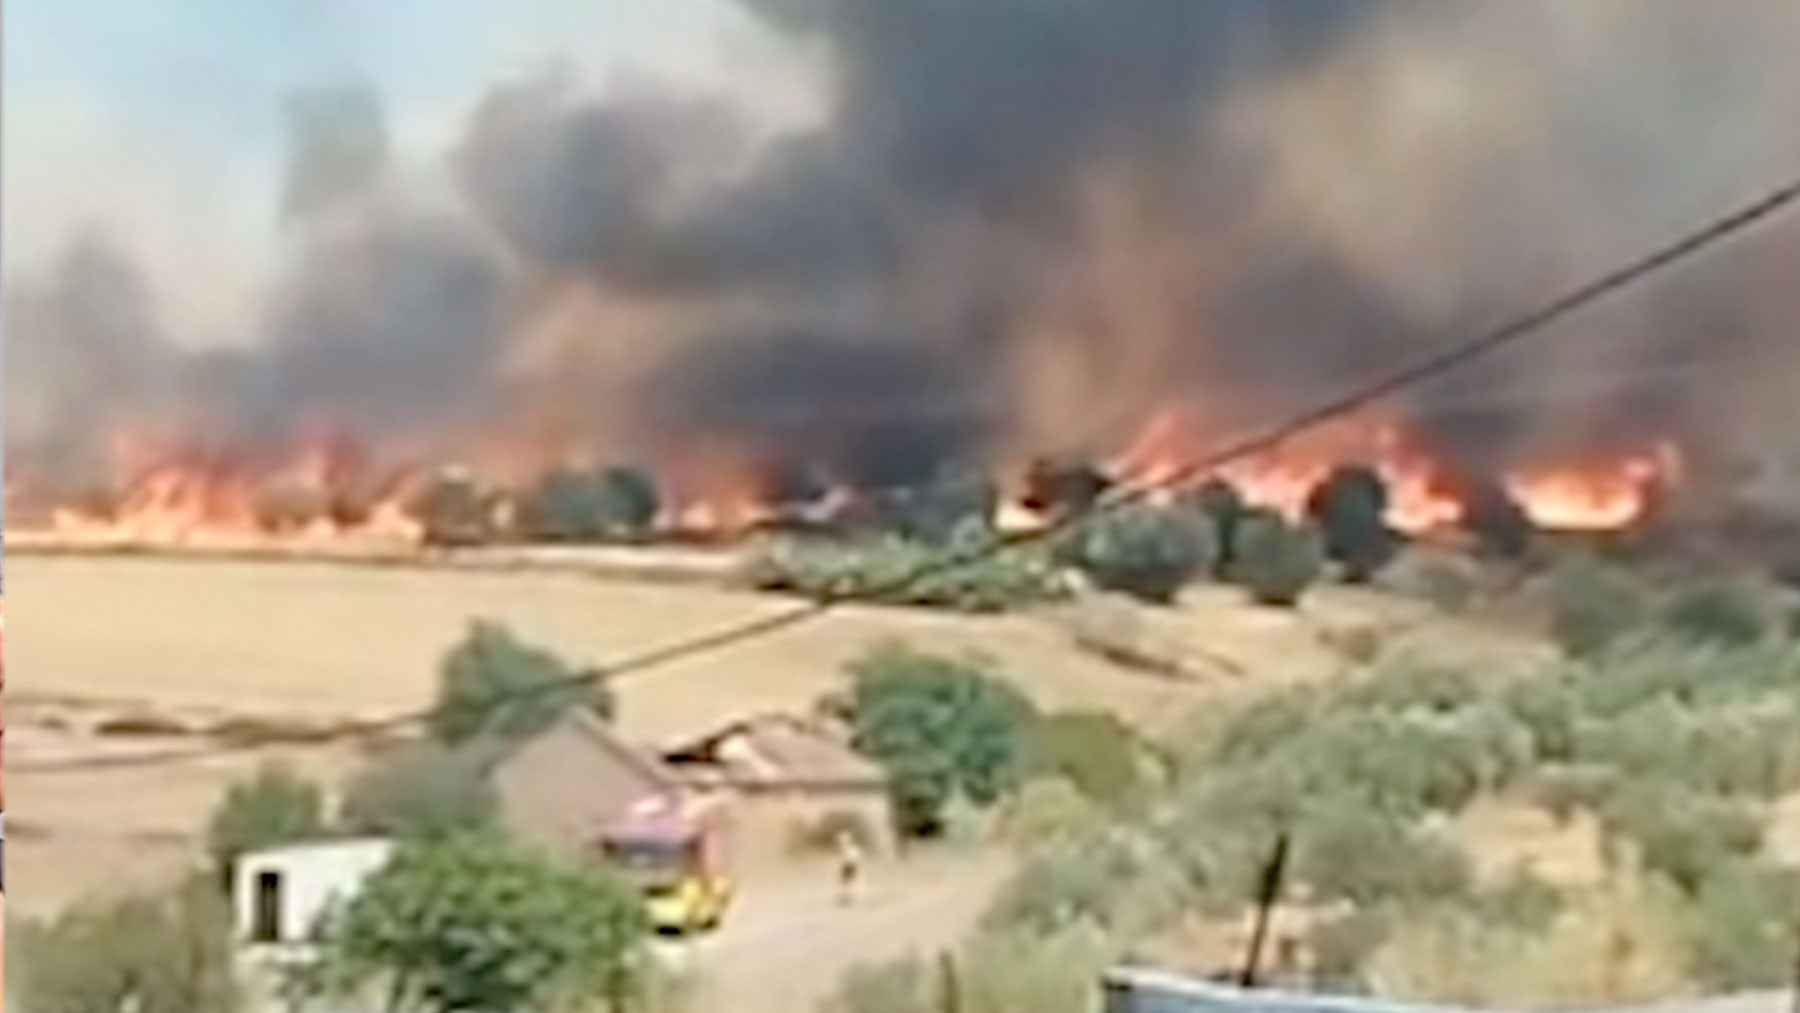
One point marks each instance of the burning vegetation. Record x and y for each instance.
(637, 315)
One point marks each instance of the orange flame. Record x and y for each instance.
(1584, 495)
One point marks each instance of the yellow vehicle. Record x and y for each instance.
(673, 854)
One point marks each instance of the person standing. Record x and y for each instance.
(849, 861)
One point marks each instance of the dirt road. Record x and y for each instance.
(787, 941)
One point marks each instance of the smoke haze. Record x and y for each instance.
(1019, 226)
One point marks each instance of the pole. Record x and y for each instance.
(1267, 894)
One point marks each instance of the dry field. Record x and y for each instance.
(95, 638)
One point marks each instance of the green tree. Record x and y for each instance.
(1593, 604)
(423, 790)
(585, 505)
(467, 923)
(159, 953)
(1224, 509)
(491, 683)
(942, 727)
(276, 806)
(1350, 509)
(1148, 552)
(1277, 561)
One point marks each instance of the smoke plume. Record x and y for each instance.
(1020, 226)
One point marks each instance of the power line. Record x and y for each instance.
(1271, 437)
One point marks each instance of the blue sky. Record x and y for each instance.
(160, 120)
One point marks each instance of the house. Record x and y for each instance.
(769, 780)
(281, 895)
(786, 779)
(560, 788)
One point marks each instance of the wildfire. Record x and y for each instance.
(325, 492)
(1578, 495)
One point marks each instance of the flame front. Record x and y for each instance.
(1597, 495)
(324, 491)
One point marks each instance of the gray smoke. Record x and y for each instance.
(1029, 222)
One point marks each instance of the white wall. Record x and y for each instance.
(314, 877)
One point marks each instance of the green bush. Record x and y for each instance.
(1593, 605)
(942, 727)
(1348, 851)
(1276, 560)
(1741, 929)
(583, 505)
(1148, 552)
(1716, 613)
(894, 570)
(276, 806)
(493, 684)
(160, 953)
(1350, 510)
(1682, 835)
(423, 790)
(1096, 752)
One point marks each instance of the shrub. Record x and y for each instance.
(1347, 851)
(1111, 877)
(1011, 972)
(1094, 751)
(942, 727)
(1277, 561)
(491, 683)
(1592, 605)
(1716, 613)
(1682, 835)
(579, 505)
(159, 953)
(894, 570)
(276, 806)
(424, 790)
(1148, 552)
(1047, 809)
(1350, 509)
(1741, 930)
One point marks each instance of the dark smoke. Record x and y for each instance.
(873, 412)
(1145, 200)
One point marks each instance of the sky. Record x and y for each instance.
(160, 121)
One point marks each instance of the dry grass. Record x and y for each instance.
(267, 648)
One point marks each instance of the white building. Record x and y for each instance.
(280, 895)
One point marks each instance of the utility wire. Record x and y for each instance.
(1378, 389)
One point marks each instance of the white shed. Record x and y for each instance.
(281, 894)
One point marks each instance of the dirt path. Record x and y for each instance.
(787, 942)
